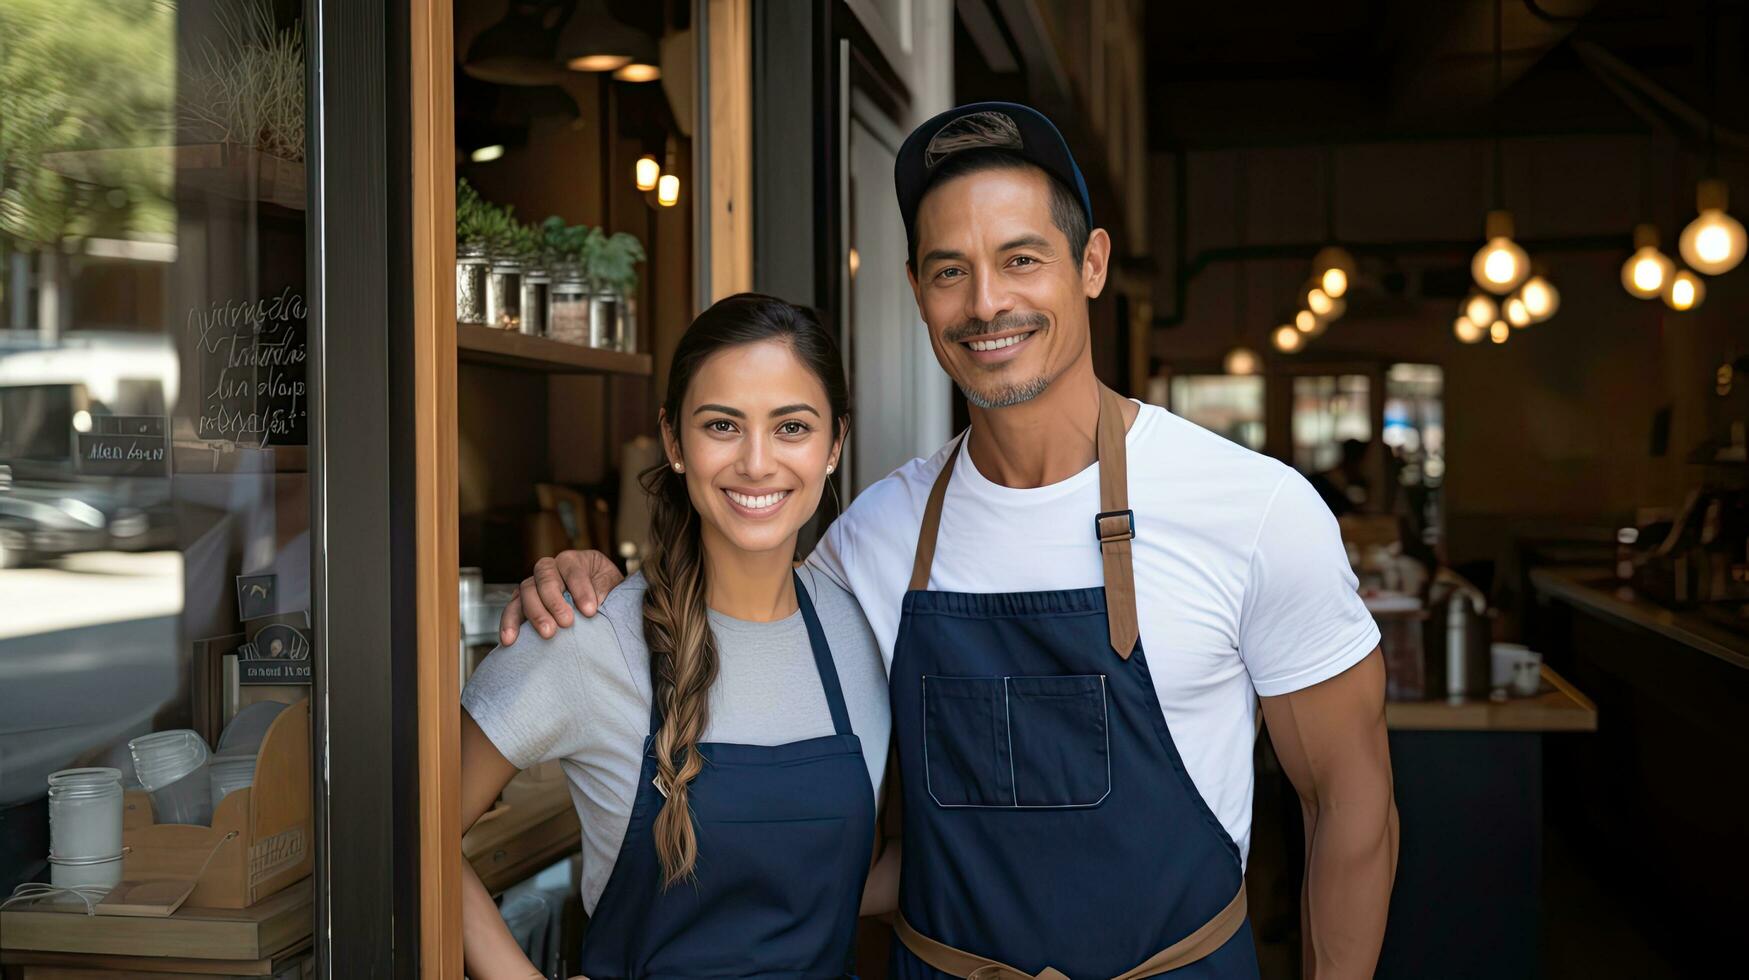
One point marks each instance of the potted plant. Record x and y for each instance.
(610, 263)
(488, 269)
(562, 249)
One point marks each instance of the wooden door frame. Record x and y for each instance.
(431, 63)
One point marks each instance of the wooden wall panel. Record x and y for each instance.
(731, 148)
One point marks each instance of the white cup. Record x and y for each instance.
(1503, 660)
(1527, 677)
(85, 813)
(162, 758)
(230, 773)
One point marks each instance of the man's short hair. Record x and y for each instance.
(968, 156)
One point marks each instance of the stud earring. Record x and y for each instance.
(829, 469)
(679, 467)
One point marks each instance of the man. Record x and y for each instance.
(1077, 797)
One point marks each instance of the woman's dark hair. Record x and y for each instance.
(683, 652)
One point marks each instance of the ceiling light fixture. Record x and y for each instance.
(595, 40)
(1646, 272)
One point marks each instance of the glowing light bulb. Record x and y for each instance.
(1648, 270)
(1334, 282)
(1466, 329)
(1541, 298)
(1306, 321)
(1241, 360)
(1319, 301)
(1480, 308)
(1714, 242)
(1685, 292)
(486, 154)
(668, 190)
(647, 171)
(1288, 338)
(637, 72)
(1499, 332)
(1500, 265)
(1516, 313)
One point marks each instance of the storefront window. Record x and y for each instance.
(1414, 432)
(1231, 405)
(1329, 410)
(155, 409)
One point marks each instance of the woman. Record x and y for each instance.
(723, 721)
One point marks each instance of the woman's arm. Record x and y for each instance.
(489, 952)
(880, 894)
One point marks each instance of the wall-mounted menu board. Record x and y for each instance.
(125, 445)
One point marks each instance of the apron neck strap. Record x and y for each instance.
(1114, 525)
(823, 665)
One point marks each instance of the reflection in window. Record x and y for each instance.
(1328, 411)
(1414, 432)
(1231, 405)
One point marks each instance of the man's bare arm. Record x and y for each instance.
(1332, 743)
(588, 575)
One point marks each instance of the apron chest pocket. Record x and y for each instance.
(1016, 742)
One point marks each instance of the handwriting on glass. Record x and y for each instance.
(252, 376)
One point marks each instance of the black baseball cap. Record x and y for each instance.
(1018, 129)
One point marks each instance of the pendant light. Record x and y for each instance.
(1240, 360)
(518, 50)
(1481, 309)
(1685, 291)
(595, 40)
(1500, 265)
(1499, 332)
(668, 190)
(1541, 299)
(1467, 330)
(1713, 243)
(1646, 272)
(1333, 266)
(1514, 312)
(1288, 339)
(646, 172)
(1305, 321)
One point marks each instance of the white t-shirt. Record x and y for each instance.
(1242, 582)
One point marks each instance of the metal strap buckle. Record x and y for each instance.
(1114, 525)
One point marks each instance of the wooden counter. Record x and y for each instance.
(1592, 589)
(534, 827)
(1559, 708)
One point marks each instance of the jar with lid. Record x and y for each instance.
(537, 283)
(604, 318)
(504, 292)
(85, 810)
(627, 340)
(470, 282)
(568, 308)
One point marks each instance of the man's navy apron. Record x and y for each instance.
(1050, 828)
(785, 833)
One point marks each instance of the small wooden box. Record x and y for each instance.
(272, 849)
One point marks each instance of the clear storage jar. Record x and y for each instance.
(568, 311)
(504, 293)
(85, 810)
(471, 266)
(537, 284)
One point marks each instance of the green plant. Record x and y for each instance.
(480, 222)
(250, 89)
(611, 261)
(562, 243)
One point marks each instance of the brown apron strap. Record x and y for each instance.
(1115, 524)
(932, 521)
(958, 963)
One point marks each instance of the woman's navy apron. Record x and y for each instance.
(785, 834)
(1050, 828)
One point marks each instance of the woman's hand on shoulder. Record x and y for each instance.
(540, 601)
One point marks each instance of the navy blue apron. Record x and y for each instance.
(1050, 828)
(785, 834)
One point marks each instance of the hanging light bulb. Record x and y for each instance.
(1466, 329)
(1515, 312)
(668, 190)
(1319, 302)
(1241, 360)
(1306, 321)
(1685, 292)
(1713, 243)
(1481, 308)
(1499, 332)
(593, 39)
(1646, 272)
(646, 171)
(1500, 265)
(1333, 268)
(1541, 298)
(638, 71)
(1288, 338)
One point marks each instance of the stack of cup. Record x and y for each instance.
(85, 827)
(229, 773)
(172, 767)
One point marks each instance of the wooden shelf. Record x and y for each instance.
(1559, 708)
(506, 348)
(535, 826)
(261, 931)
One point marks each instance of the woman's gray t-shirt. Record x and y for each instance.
(583, 698)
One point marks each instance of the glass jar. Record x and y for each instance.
(604, 319)
(568, 309)
(504, 293)
(85, 808)
(537, 283)
(628, 325)
(470, 283)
